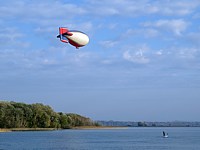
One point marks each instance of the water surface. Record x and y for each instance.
(103, 139)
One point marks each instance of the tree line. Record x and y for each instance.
(21, 115)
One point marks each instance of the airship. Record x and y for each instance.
(73, 37)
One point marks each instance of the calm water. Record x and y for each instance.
(111, 139)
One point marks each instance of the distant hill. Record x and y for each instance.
(21, 115)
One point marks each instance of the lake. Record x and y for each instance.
(103, 139)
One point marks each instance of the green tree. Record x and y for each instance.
(21, 115)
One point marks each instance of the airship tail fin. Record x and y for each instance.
(63, 30)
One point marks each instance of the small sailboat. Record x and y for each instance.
(165, 135)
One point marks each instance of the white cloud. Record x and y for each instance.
(187, 53)
(159, 53)
(135, 57)
(146, 32)
(86, 26)
(194, 38)
(176, 7)
(44, 29)
(40, 10)
(11, 37)
(177, 26)
(143, 7)
(10, 33)
(108, 43)
(150, 33)
(107, 61)
(47, 16)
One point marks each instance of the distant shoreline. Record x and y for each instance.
(76, 128)
(150, 124)
(98, 127)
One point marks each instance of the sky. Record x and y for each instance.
(142, 62)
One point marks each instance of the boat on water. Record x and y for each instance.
(165, 135)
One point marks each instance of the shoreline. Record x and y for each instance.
(26, 129)
(53, 129)
(75, 128)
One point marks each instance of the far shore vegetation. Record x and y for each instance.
(15, 116)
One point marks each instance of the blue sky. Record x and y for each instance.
(142, 62)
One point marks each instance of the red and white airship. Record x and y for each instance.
(75, 38)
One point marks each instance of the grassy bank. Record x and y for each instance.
(5, 130)
(27, 129)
